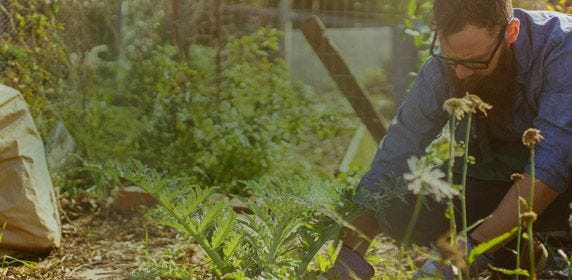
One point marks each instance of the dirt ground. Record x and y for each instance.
(102, 243)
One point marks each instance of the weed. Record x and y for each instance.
(530, 137)
(290, 221)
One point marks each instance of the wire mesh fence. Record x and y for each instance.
(185, 22)
(122, 25)
(7, 27)
(368, 32)
(48, 42)
(89, 23)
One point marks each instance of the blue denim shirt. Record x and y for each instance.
(543, 53)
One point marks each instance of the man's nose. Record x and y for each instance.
(463, 72)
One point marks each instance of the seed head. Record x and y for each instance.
(527, 217)
(423, 180)
(454, 253)
(476, 103)
(470, 103)
(516, 176)
(531, 136)
(457, 107)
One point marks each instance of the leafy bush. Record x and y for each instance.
(290, 221)
(183, 116)
(132, 98)
(33, 58)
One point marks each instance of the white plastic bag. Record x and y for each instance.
(28, 205)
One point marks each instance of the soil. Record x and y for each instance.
(102, 243)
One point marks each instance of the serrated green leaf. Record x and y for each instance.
(211, 212)
(223, 229)
(194, 198)
(231, 245)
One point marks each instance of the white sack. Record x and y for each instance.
(28, 203)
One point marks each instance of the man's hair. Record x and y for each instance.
(451, 16)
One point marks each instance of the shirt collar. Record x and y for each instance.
(523, 47)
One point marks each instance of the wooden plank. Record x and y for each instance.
(314, 31)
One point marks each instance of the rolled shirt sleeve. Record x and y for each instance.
(417, 122)
(553, 163)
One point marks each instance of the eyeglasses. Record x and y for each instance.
(468, 63)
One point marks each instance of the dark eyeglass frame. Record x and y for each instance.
(468, 63)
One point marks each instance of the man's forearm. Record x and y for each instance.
(504, 217)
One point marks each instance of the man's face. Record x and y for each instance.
(496, 84)
(474, 44)
(479, 44)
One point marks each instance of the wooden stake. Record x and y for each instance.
(314, 31)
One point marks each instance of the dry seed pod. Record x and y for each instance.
(531, 136)
(470, 103)
(476, 103)
(449, 252)
(516, 176)
(456, 107)
(527, 218)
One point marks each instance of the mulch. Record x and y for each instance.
(100, 243)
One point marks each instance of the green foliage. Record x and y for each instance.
(319, 209)
(33, 58)
(184, 116)
(417, 23)
(190, 211)
(161, 270)
(290, 221)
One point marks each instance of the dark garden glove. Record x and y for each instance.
(435, 268)
(350, 265)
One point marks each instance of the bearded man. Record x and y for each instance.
(521, 63)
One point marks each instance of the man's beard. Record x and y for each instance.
(497, 89)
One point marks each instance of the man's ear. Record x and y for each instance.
(512, 31)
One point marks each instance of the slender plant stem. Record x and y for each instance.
(413, 221)
(409, 230)
(531, 208)
(532, 179)
(452, 225)
(464, 181)
(519, 229)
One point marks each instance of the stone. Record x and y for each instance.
(131, 198)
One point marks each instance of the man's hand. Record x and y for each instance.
(435, 267)
(350, 265)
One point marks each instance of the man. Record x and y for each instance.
(521, 63)
(29, 218)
